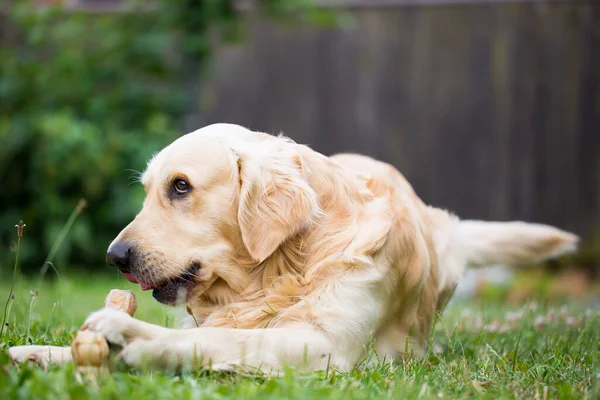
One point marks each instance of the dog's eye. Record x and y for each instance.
(181, 187)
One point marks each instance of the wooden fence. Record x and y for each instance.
(491, 110)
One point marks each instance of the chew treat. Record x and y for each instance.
(123, 300)
(90, 349)
(90, 352)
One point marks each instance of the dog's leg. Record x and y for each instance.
(243, 350)
(248, 350)
(41, 355)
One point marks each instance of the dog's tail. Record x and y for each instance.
(512, 243)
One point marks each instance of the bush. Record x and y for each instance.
(84, 99)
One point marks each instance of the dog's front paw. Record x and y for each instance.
(40, 355)
(118, 327)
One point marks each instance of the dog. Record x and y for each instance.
(287, 257)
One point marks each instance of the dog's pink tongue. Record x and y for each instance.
(130, 277)
(146, 286)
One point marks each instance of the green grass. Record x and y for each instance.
(508, 359)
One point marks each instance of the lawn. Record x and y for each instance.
(483, 349)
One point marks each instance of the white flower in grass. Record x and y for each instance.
(540, 322)
(513, 316)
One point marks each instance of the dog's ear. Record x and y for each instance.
(276, 200)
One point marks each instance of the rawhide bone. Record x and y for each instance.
(90, 349)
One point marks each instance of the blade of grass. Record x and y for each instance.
(19, 227)
(61, 237)
(33, 296)
(49, 322)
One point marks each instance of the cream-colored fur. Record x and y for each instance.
(303, 257)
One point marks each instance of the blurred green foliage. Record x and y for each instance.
(80, 105)
(85, 99)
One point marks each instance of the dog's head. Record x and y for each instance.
(218, 202)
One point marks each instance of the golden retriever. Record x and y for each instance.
(289, 257)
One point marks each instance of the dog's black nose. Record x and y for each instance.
(119, 255)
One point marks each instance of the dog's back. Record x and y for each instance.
(461, 243)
